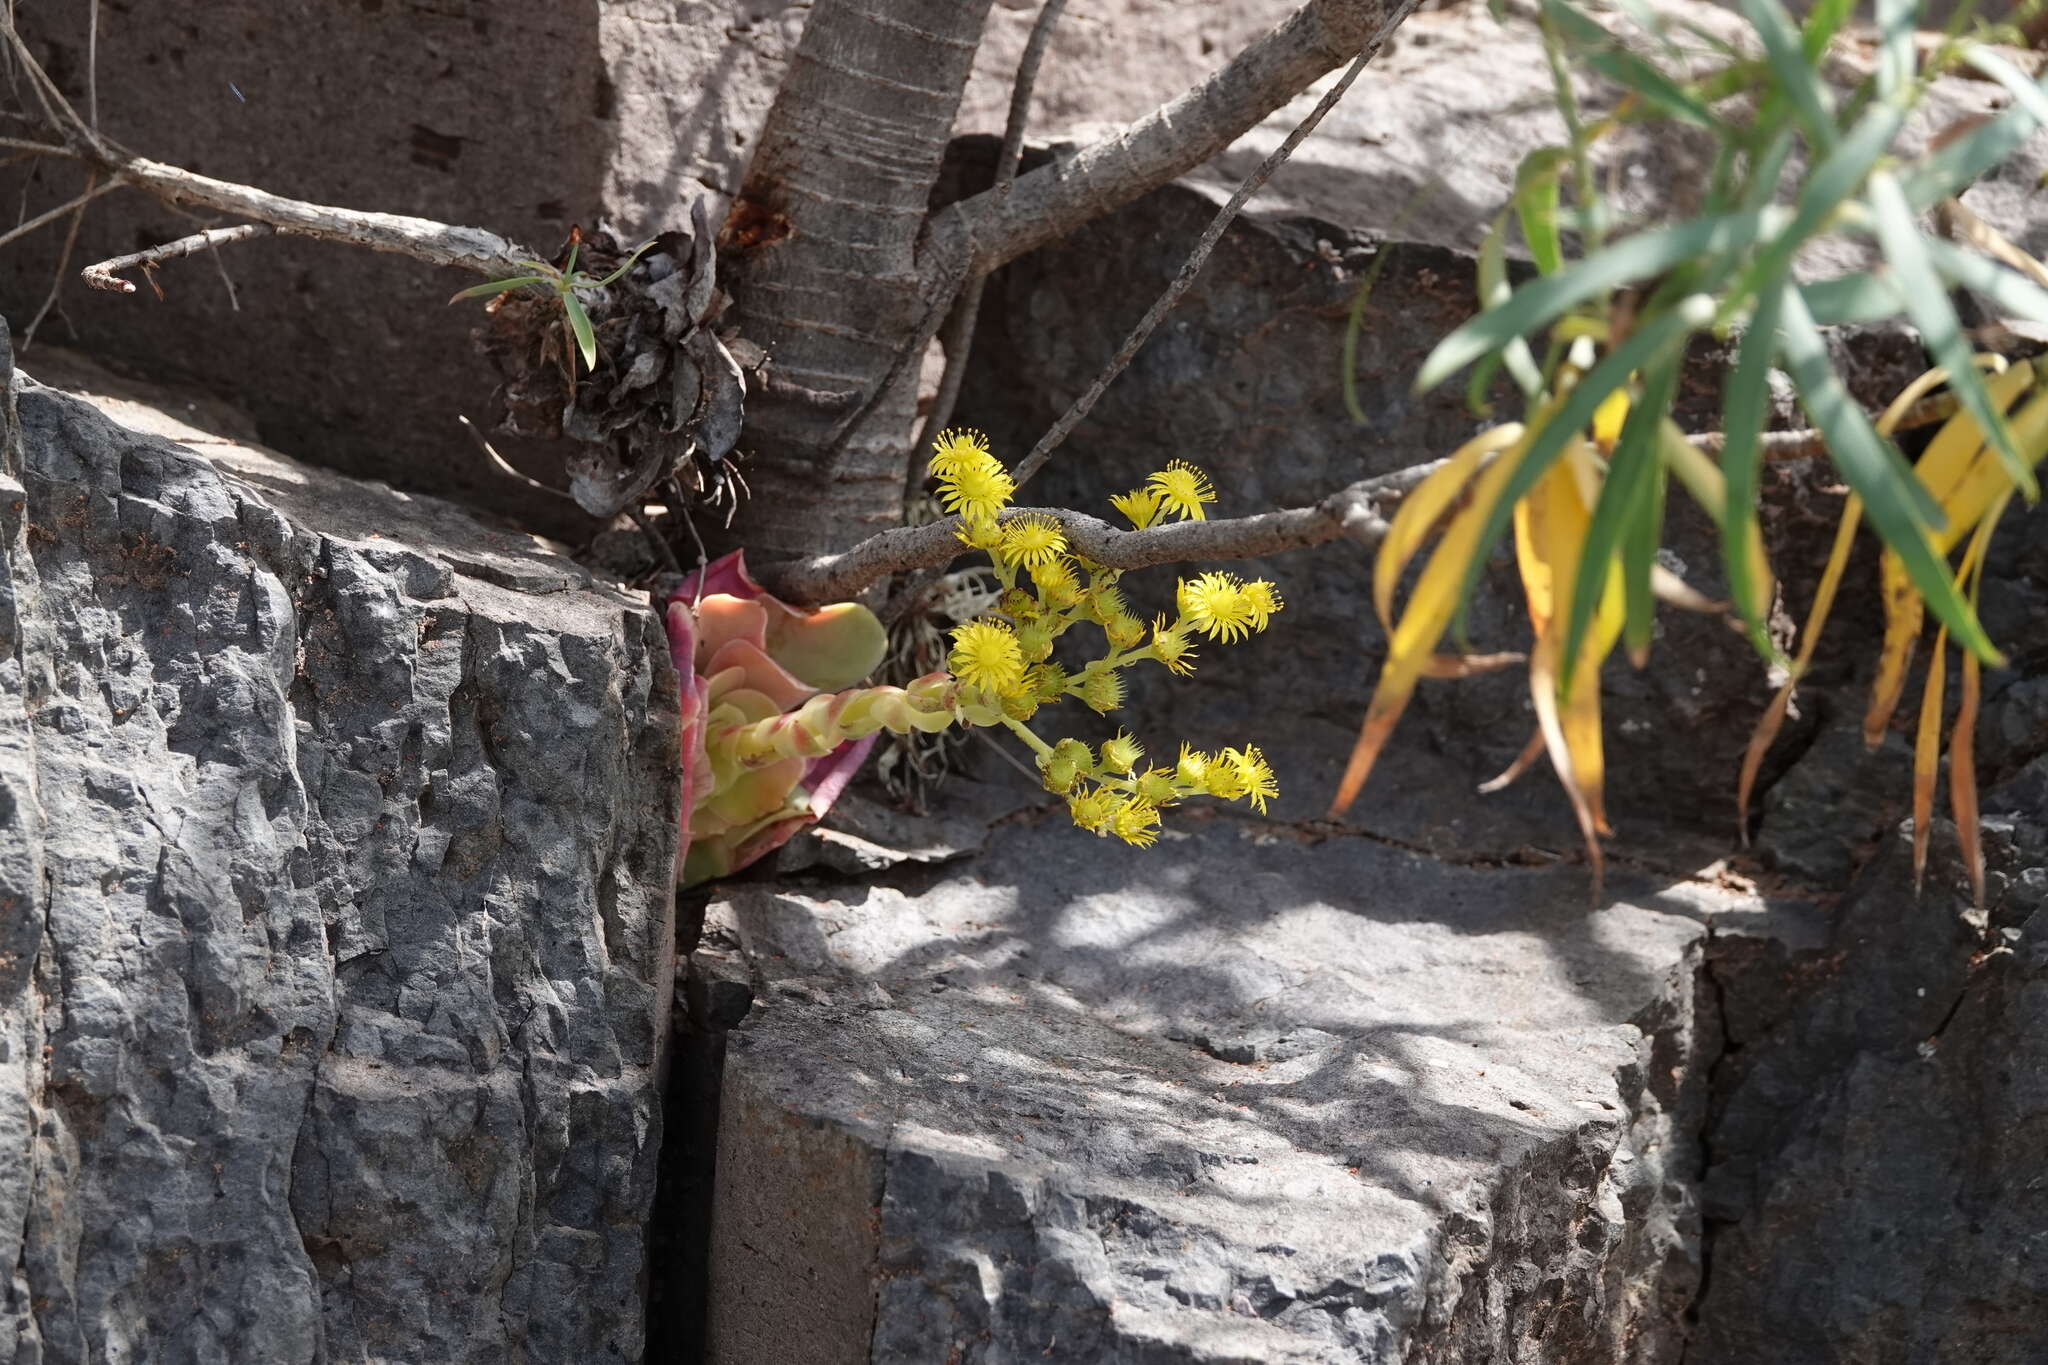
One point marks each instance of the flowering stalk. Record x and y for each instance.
(769, 743)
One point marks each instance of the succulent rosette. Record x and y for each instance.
(746, 657)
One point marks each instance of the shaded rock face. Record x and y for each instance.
(336, 838)
(1876, 1188)
(1254, 1098)
(521, 117)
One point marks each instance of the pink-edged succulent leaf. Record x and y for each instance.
(745, 656)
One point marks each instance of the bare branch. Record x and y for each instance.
(28, 334)
(958, 338)
(92, 192)
(1357, 512)
(105, 274)
(465, 248)
(1352, 511)
(1054, 200)
(1185, 277)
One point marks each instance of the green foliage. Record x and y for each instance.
(565, 282)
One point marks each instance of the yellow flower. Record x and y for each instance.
(1222, 778)
(1058, 772)
(1182, 488)
(1121, 754)
(1141, 505)
(985, 655)
(1034, 639)
(1123, 632)
(1058, 589)
(1262, 599)
(1032, 541)
(955, 449)
(1217, 605)
(1105, 604)
(1137, 824)
(976, 491)
(1253, 774)
(980, 532)
(1104, 692)
(1048, 682)
(1172, 648)
(1193, 768)
(1156, 787)
(1095, 809)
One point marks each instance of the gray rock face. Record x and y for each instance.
(522, 116)
(336, 941)
(1249, 1097)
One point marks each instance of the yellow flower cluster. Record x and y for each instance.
(1003, 661)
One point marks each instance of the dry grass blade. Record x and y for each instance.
(1927, 753)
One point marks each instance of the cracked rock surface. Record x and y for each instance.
(336, 837)
(1255, 1098)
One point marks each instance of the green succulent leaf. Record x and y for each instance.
(1625, 504)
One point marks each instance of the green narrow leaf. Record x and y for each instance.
(1852, 298)
(579, 323)
(1827, 186)
(1536, 191)
(1638, 557)
(2025, 94)
(1353, 323)
(1795, 71)
(1744, 402)
(1494, 290)
(2013, 292)
(1823, 21)
(1540, 301)
(1653, 87)
(1893, 498)
(1659, 340)
(626, 264)
(478, 291)
(1927, 304)
(1624, 501)
(1896, 20)
(1953, 168)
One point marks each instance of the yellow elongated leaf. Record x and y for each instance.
(1954, 448)
(1927, 752)
(1550, 534)
(1904, 614)
(1531, 751)
(1424, 507)
(1985, 482)
(1962, 740)
(1412, 643)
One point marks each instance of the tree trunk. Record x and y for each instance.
(823, 261)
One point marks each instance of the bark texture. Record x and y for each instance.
(336, 840)
(825, 265)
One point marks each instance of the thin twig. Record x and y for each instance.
(92, 63)
(227, 281)
(504, 465)
(1190, 268)
(39, 148)
(1352, 512)
(28, 334)
(467, 248)
(1357, 512)
(105, 274)
(958, 338)
(54, 214)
